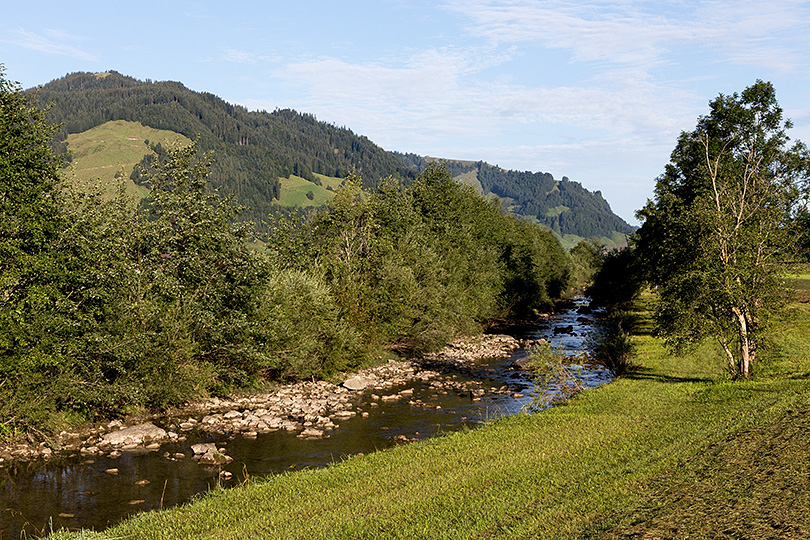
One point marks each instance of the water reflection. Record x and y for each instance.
(77, 492)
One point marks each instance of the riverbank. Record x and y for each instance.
(308, 408)
(674, 449)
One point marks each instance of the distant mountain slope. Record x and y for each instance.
(564, 206)
(105, 152)
(253, 149)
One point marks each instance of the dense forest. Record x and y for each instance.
(562, 205)
(108, 306)
(253, 148)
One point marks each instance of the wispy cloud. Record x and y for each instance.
(751, 33)
(50, 42)
(245, 57)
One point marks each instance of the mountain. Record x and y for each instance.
(564, 206)
(266, 158)
(253, 149)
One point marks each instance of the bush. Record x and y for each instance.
(298, 325)
(613, 347)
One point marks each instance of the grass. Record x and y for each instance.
(673, 450)
(294, 191)
(115, 147)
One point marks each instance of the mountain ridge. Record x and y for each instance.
(254, 150)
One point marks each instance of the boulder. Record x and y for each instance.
(214, 457)
(136, 434)
(202, 448)
(358, 382)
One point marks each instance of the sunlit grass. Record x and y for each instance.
(588, 467)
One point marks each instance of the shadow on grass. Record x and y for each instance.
(643, 373)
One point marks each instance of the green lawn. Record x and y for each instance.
(673, 450)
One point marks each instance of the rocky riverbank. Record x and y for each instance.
(312, 409)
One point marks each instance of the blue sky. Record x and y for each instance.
(596, 91)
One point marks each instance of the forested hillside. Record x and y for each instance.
(562, 205)
(253, 149)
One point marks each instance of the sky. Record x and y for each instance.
(597, 91)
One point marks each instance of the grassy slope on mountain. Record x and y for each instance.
(294, 190)
(566, 207)
(253, 149)
(114, 148)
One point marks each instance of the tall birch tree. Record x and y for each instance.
(714, 238)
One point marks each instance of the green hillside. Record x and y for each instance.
(286, 158)
(294, 191)
(106, 151)
(102, 153)
(253, 149)
(569, 209)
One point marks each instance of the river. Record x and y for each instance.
(77, 492)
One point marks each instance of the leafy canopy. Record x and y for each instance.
(721, 224)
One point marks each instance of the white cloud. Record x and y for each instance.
(50, 42)
(237, 56)
(649, 34)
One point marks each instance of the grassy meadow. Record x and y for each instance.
(100, 153)
(112, 148)
(294, 190)
(675, 449)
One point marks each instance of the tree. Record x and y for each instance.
(713, 239)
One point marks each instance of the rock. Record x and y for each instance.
(225, 475)
(214, 457)
(137, 434)
(111, 471)
(203, 448)
(311, 433)
(358, 382)
(563, 329)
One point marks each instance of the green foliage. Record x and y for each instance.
(586, 258)
(613, 347)
(721, 224)
(32, 271)
(562, 205)
(418, 265)
(618, 281)
(254, 148)
(298, 322)
(108, 305)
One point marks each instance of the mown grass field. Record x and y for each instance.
(673, 450)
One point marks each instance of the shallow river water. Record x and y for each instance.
(75, 492)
